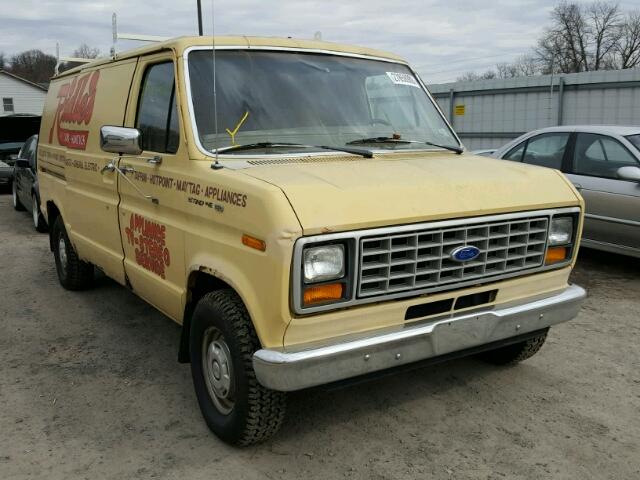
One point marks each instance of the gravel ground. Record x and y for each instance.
(90, 388)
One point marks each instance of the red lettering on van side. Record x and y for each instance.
(148, 239)
(75, 106)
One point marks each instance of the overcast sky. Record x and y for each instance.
(441, 39)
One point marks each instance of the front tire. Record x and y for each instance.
(14, 196)
(515, 353)
(38, 220)
(222, 341)
(73, 273)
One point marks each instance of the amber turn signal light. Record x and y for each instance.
(323, 293)
(555, 255)
(253, 242)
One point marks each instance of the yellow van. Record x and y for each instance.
(305, 212)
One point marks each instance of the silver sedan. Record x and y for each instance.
(603, 162)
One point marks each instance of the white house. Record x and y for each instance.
(20, 96)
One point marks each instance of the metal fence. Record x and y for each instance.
(489, 113)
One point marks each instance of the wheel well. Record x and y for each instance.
(52, 214)
(200, 283)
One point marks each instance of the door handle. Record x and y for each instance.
(578, 186)
(112, 167)
(156, 160)
(109, 167)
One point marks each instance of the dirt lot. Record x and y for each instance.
(90, 388)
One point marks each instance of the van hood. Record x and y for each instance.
(351, 194)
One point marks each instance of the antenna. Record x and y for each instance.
(216, 165)
(199, 18)
(114, 32)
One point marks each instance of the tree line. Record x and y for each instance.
(37, 66)
(579, 38)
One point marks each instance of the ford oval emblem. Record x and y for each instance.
(464, 254)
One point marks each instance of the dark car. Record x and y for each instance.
(14, 130)
(26, 194)
(9, 151)
(8, 154)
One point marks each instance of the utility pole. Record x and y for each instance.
(200, 17)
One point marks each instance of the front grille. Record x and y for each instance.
(420, 259)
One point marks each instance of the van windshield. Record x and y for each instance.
(310, 99)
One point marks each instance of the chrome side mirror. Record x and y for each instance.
(120, 140)
(629, 173)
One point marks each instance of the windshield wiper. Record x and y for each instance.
(254, 146)
(370, 140)
(398, 141)
(452, 148)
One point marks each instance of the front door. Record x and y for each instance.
(612, 205)
(151, 204)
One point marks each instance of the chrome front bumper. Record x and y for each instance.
(295, 369)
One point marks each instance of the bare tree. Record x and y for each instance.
(604, 19)
(528, 65)
(595, 37)
(85, 51)
(564, 46)
(627, 49)
(580, 38)
(3, 61)
(523, 66)
(506, 70)
(473, 76)
(33, 65)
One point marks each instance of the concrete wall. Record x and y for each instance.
(26, 98)
(496, 111)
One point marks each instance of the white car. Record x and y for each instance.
(487, 152)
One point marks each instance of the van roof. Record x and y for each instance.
(180, 44)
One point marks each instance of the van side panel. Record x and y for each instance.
(71, 128)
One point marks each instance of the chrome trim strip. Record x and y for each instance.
(61, 176)
(296, 266)
(603, 218)
(300, 367)
(610, 247)
(221, 156)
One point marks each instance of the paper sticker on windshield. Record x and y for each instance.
(403, 79)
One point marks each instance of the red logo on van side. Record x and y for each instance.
(75, 106)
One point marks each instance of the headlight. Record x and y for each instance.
(561, 231)
(323, 263)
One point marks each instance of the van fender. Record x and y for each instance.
(267, 318)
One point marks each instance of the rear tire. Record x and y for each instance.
(222, 342)
(515, 353)
(14, 196)
(73, 273)
(38, 220)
